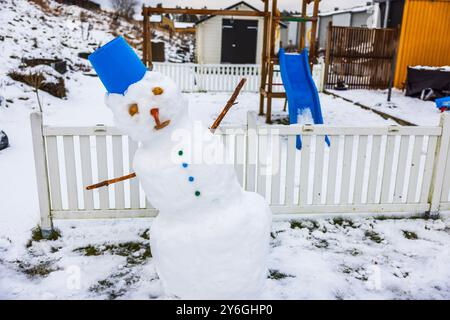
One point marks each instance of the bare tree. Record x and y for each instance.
(125, 8)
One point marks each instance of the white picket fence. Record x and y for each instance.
(193, 77)
(366, 169)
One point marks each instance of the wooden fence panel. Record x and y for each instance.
(360, 57)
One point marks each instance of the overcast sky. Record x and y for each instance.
(295, 5)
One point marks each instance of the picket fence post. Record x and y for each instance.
(40, 162)
(439, 165)
(250, 157)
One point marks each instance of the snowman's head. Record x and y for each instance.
(148, 107)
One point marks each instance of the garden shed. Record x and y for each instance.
(230, 39)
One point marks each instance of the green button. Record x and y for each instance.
(197, 193)
(180, 153)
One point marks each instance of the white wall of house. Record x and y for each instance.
(342, 19)
(284, 36)
(208, 36)
(292, 33)
(367, 16)
(323, 30)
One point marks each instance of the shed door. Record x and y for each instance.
(239, 41)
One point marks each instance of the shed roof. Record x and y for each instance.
(348, 10)
(235, 6)
(229, 8)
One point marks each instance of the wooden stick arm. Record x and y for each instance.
(231, 102)
(108, 182)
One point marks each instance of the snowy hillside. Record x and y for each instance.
(60, 34)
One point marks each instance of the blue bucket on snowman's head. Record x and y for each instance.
(117, 65)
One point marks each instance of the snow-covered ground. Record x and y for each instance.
(361, 258)
(413, 110)
(319, 258)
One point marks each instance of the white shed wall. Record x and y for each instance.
(209, 38)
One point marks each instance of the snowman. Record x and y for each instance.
(210, 239)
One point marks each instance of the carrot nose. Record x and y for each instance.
(155, 114)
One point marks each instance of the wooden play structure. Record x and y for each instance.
(272, 18)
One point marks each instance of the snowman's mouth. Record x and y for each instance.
(159, 125)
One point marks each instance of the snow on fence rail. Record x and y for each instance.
(223, 77)
(366, 169)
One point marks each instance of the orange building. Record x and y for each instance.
(424, 38)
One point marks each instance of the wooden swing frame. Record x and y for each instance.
(268, 56)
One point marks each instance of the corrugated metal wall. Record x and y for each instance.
(425, 36)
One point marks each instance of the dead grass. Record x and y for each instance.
(135, 252)
(277, 275)
(40, 269)
(311, 225)
(43, 4)
(374, 236)
(38, 81)
(410, 235)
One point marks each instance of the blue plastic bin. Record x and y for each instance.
(443, 103)
(117, 65)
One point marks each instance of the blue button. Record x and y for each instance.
(185, 165)
(191, 179)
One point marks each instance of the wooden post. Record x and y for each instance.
(250, 159)
(393, 63)
(145, 35)
(439, 167)
(269, 93)
(149, 45)
(264, 59)
(301, 42)
(312, 41)
(328, 52)
(273, 27)
(40, 163)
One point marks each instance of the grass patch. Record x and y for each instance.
(357, 273)
(415, 217)
(36, 236)
(89, 251)
(311, 225)
(135, 252)
(277, 275)
(354, 252)
(343, 222)
(410, 235)
(55, 249)
(321, 243)
(401, 274)
(374, 236)
(110, 286)
(41, 269)
(145, 235)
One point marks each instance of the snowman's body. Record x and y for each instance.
(211, 238)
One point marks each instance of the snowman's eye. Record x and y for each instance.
(133, 109)
(157, 91)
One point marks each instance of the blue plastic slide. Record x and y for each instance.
(300, 88)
